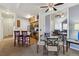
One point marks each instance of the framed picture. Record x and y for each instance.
(18, 23)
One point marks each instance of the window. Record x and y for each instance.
(65, 26)
(76, 26)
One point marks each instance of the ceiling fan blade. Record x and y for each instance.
(44, 7)
(47, 10)
(55, 9)
(58, 4)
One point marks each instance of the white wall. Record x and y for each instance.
(41, 23)
(25, 24)
(73, 19)
(52, 23)
(58, 22)
(47, 24)
(1, 29)
(65, 26)
(7, 26)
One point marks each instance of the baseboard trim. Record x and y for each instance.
(7, 36)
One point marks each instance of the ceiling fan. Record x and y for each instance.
(50, 6)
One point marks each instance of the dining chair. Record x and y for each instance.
(51, 45)
(46, 34)
(61, 44)
(24, 38)
(16, 37)
(62, 41)
(28, 37)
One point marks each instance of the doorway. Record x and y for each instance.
(8, 21)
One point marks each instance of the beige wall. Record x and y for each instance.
(7, 23)
(1, 29)
(24, 23)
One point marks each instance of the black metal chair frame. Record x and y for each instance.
(51, 42)
(16, 37)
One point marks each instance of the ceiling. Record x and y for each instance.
(23, 9)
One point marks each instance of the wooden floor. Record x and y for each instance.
(7, 46)
(32, 41)
(7, 49)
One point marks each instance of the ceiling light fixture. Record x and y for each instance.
(28, 16)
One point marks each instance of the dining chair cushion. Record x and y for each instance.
(55, 36)
(60, 43)
(24, 33)
(52, 48)
(16, 33)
